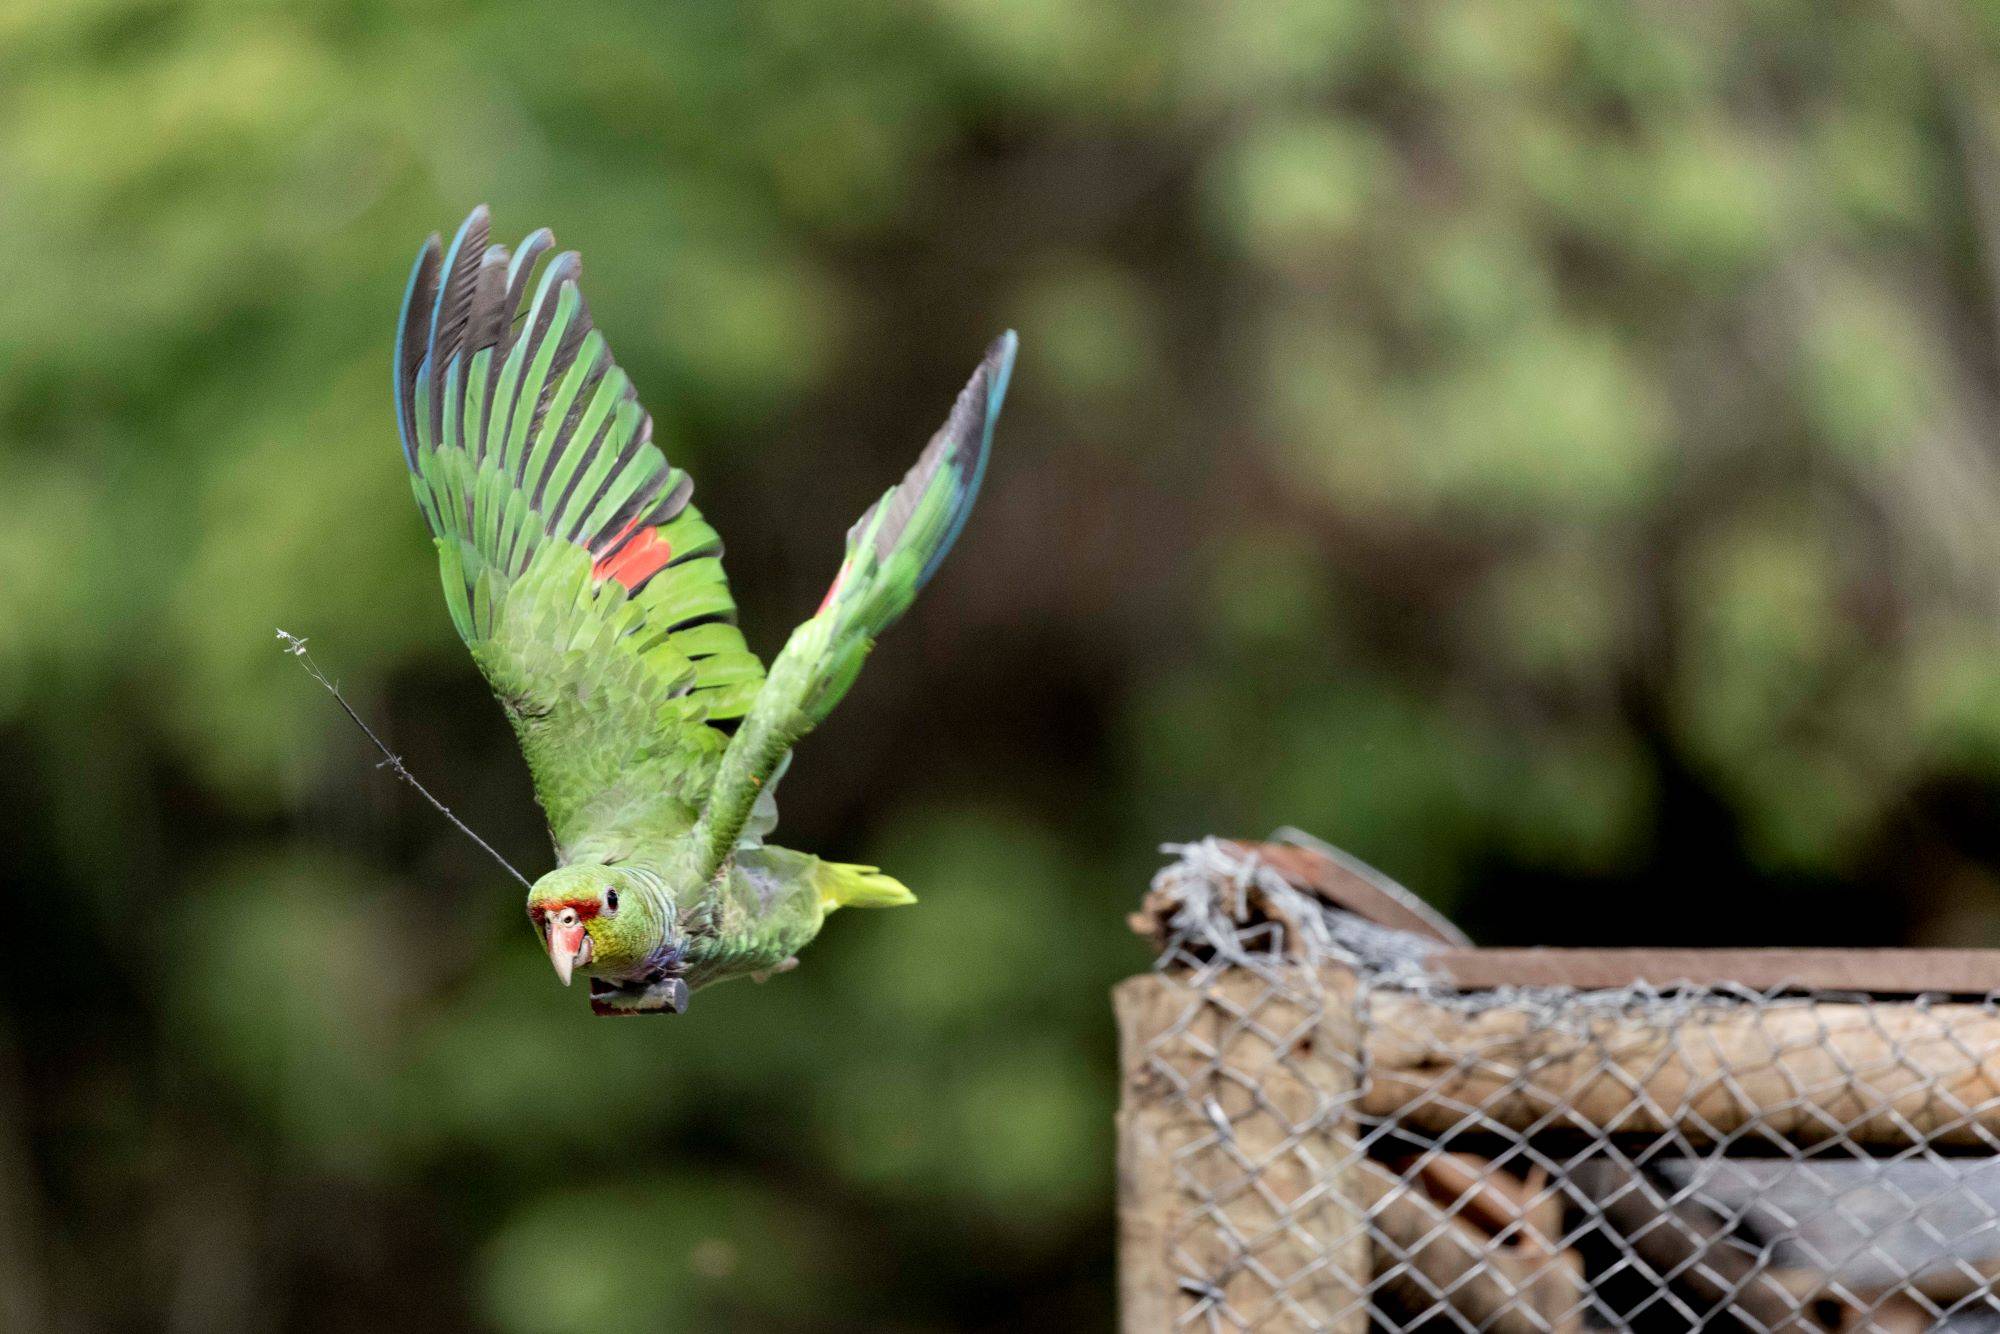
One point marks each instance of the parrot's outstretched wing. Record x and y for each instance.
(894, 548)
(589, 590)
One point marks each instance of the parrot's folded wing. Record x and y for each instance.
(891, 552)
(589, 590)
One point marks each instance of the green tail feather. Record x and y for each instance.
(842, 885)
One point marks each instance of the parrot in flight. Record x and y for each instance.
(591, 594)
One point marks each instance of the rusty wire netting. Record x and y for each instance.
(1319, 1134)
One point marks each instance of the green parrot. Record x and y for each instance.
(591, 594)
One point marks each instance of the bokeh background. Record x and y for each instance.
(1546, 447)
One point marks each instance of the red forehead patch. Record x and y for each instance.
(585, 908)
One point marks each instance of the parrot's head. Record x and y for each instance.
(602, 921)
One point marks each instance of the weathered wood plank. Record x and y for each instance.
(1880, 1074)
(1884, 972)
(1884, 1075)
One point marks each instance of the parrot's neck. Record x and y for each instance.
(648, 887)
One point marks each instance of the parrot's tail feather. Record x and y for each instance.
(842, 885)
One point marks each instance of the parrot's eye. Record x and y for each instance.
(611, 900)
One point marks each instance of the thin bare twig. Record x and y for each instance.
(296, 646)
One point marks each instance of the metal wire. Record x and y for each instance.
(296, 647)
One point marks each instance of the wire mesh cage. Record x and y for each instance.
(1347, 1122)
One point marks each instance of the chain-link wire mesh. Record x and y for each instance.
(1317, 1134)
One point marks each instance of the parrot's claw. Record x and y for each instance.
(667, 996)
(767, 974)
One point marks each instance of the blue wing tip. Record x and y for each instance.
(480, 215)
(433, 253)
(427, 254)
(997, 366)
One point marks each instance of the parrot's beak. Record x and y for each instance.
(569, 944)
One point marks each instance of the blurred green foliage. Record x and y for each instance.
(1541, 445)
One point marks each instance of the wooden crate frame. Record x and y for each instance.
(1899, 1049)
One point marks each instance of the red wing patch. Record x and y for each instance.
(633, 562)
(833, 588)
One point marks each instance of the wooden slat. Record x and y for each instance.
(1881, 1077)
(1860, 1073)
(1881, 972)
(1885, 972)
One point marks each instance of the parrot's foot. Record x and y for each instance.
(767, 974)
(667, 996)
